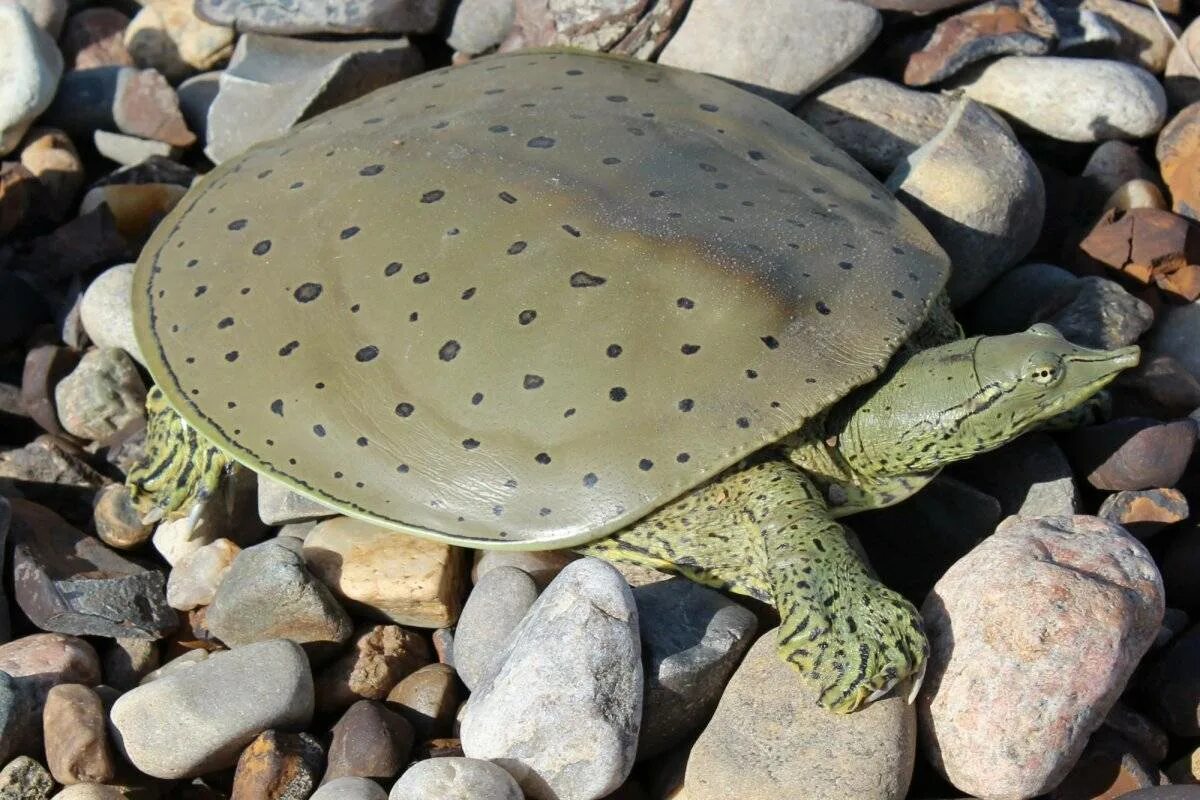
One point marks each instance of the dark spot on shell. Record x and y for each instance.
(683, 458)
(613, 350)
(756, 155)
(822, 308)
(237, 225)
(319, 430)
(508, 198)
(574, 72)
(899, 295)
(570, 412)
(542, 458)
(402, 468)
(307, 292)
(477, 398)
(540, 142)
(348, 232)
(687, 404)
(771, 342)
(590, 480)
(846, 265)
(361, 441)
(277, 407)
(686, 303)
(708, 107)
(689, 349)
(645, 465)
(421, 277)
(527, 316)
(469, 293)
(432, 196)
(225, 323)
(371, 169)
(262, 248)
(231, 356)
(582, 280)
(499, 129)
(533, 381)
(516, 247)
(751, 374)
(287, 349)
(366, 354)
(617, 394)
(404, 409)
(707, 167)
(610, 160)
(296, 185)
(449, 350)
(572, 230)
(200, 290)
(192, 262)
(617, 98)
(470, 444)
(743, 422)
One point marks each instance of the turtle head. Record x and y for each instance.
(950, 402)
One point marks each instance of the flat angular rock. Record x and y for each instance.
(1100, 314)
(770, 739)
(1000, 27)
(1150, 246)
(562, 714)
(33, 665)
(68, 582)
(388, 575)
(199, 719)
(118, 522)
(1132, 453)
(989, 215)
(131, 150)
(782, 50)
(76, 737)
(692, 639)
(50, 471)
(380, 657)
(278, 766)
(369, 741)
(494, 609)
(455, 779)
(268, 594)
(273, 82)
(878, 122)
(1033, 636)
(31, 65)
(316, 16)
(593, 26)
(1076, 100)
(137, 102)
(102, 395)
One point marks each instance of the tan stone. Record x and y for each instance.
(51, 156)
(387, 574)
(136, 207)
(168, 36)
(77, 746)
(428, 699)
(278, 766)
(381, 656)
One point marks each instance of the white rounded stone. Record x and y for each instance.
(31, 66)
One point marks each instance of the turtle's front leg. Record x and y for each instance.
(765, 532)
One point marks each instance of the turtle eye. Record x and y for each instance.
(1044, 369)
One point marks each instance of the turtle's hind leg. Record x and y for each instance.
(179, 468)
(765, 531)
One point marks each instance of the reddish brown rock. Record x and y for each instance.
(1150, 246)
(145, 105)
(1145, 513)
(1033, 636)
(428, 699)
(1158, 387)
(278, 766)
(45, 366)
(369, 741)
(382, 655)
(1132, 453)
(995, 28)
(76, 736)
(19, 195)
(1178, 153)
(94, 37)
(38, 663)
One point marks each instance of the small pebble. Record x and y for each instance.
(77, 746)
(1015, 685)
(480, 24)
(428, 699)
(31, 66)
(278, 766)
(350, 789)
(494, 609)
(102, 395)
(195, 578)
(1132, 453)
(118, 522)
(455, 779)
(279, 505)
(381, 656)
(199, 719)
(131, 150)
(369, 741)
(25, 779)
(93, 37)
(1146, 512)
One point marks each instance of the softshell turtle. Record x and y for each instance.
(554, 298)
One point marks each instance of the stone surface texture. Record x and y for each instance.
(455, 779)
(494, 609)
(31, 65)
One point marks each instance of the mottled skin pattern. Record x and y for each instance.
(769, 531)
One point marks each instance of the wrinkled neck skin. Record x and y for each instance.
(888, 439)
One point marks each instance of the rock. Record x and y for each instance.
(381, 656)
(20, 193)
(479, 25)
(438, 748)
(77, 747)
(1076, 100)
(51, 156)
(1148, 245)
(1099, 314)
(25, 779)
(137, 102)
(166, 35)
(137, 208)
(541, 565)
(1173, 685)
(369, 741)
(1029, 476)
(770, 739)
(194, 580)
(692, 639)
(1181, 77)
(989, 216)
(1186, 770)
(1138, 730)
(443, 645)
(130, 150)
(77, 245)
(274, 82)
(196, 94)
(102, 395)
(455, 779)
(50, 471)
(93, 37)
(1109, 768)
(1143, 39)
(652, 31)
(999, 27)
(268, 594)
(34, 665)
(1132, 453)
(31, 65)
(316, 17)
(1144, 513)
(199, 719)
(783, 50)
(571, 733)
(592, 26)
(68, 582)
(1174, 335)
(118, 522)
(350, 789)
(154, 169)
(428, 699)
(127, 661)
(878, 122)
(277, 504)
(1179, 565)
(1072, 605)
(388, 575)
(278, 766)
(1138, 193)
(1082, 31)
(1178, 154)
(493, 610)
(1111, 165)
(47, 14)
(94, 791)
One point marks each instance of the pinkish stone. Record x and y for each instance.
(1033, 636)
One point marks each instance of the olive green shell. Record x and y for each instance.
(525, 301)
